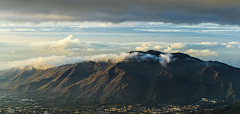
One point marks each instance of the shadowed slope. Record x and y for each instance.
(185, 80)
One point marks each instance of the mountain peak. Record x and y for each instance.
(178, 55)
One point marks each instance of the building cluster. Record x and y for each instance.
(153, 110)
(205, 100)
(13, 105)
(164, 109)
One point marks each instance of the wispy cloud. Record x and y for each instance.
(20, 30)
(159, 30)
(5, 30)
(198, 53)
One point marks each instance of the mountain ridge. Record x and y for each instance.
(184, 80)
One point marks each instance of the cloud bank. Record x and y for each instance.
(173, 11)
(53, 61)
(71, 48)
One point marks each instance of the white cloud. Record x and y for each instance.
(45, 62)
(158, 47)
(164, 59)
(141, 48)
(5, 30)
(218, 31)
(209, 43)
(46, 29)
(178, 45)
(236, 43)
(90, 49)
(70, 45)
(146, 44)
(158, 30)
(229, 46)
(169, 50)
(206, 52)
(62, 44)
(21, 30)
(53, 61)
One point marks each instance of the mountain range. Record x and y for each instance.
(158, 78)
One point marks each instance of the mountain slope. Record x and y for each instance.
(231, 109)
(184, 80)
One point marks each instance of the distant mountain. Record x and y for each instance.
(184, 80)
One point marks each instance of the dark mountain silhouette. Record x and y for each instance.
(185, 80)
(231, 109)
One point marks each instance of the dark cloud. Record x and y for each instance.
(173, 11)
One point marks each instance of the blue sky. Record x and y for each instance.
(55, 31)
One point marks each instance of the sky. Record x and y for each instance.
(57, 32)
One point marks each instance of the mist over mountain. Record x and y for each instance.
(141, 77)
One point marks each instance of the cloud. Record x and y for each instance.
(5, 30)
(165, 59)
(206, 52)
(141, 48)
(169, 50)
(158, 47)
(53, 61)
(209, 43)
(158, 30)
(45, 62)
(80, 50)
(21, 30)
(66, 43)
(229, 46)
(178, 45)
(46, 29)
(62, 44)
(173, 11)
(234, 43)
(145, 46)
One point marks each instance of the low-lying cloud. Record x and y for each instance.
(164, 59)
(53, 61)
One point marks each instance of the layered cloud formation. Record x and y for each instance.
(53, 61)
(174, 11)
(71, 50)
